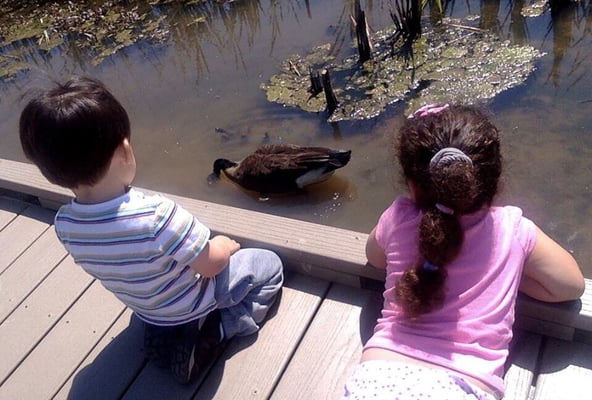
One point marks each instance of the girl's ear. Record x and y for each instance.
(413, 190)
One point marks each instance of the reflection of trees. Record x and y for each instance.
(225, 26)
(193, 27)
(489, 16)
(232, 28)
(571, 26)
(518, 27)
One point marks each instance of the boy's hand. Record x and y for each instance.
(215, 256)
(232, 245)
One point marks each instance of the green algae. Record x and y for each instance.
(452, 62)
(95, 29)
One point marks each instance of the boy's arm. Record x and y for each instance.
(551, 273)
(375, 253)
(215, 256)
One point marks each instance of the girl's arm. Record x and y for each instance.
(375, 253)
(215, 256)
(551, 273)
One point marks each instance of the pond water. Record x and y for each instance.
(197, 97)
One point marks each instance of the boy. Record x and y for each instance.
(192, 291)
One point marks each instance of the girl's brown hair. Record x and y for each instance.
(444, 191)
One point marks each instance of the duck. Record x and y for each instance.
(282, 168)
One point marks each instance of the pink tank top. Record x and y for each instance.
(472, 332)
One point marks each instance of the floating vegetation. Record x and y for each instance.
(535, 9)
(453, 61)
(97, 29)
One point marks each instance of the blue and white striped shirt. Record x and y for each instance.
(140, 248)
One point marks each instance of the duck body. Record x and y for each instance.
(283, 168)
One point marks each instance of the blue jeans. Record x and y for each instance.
(246, 290)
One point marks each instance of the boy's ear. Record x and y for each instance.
(126, 148)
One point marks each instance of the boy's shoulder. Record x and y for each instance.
(132, 200)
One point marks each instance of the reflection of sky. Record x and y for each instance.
(208, 74)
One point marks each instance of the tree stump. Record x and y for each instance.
(362, 35)
(332, 102)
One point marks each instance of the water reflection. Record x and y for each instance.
(569, 25)
(196, 97)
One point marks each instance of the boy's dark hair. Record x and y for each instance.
(72, 130)
(444, 191)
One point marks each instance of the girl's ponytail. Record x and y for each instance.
(452, 159)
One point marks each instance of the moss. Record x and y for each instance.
(451, 62)
(97, 29)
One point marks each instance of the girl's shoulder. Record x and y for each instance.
(511, 221)
(400, 210)
(509, 214)
(401, 213)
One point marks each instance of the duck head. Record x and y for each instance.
(221, 164)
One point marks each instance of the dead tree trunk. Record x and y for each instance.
(332, 102)
(364, 46)
(316, 85)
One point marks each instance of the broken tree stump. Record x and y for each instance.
(332, 102)
(362, 35)
(316, 85)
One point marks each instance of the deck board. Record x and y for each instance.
(255, 361)
(60, 352)
(259, 365)
(331, 347)
(21, 232)
(9, 210)
(112, 365)
(520, 374)
(565, 371)
(39, 312)
(63, 336)
(29, 270)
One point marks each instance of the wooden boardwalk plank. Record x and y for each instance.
(307, 350)
(58, 355)
(565, 371)
(21, 232)
(259, 366)
(112, 366)
(318, 250)
(519, 377)
(28, 270)
(306, 244)
(254, 361)
(38, 313)
(332, 346)
(9, 209)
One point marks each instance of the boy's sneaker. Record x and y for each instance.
(194, 344)
(183, 364)
(212, 339)
(158, 342)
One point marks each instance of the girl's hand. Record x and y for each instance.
(375, 253)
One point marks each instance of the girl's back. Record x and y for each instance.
(454, 265)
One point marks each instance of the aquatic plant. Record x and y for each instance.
(93, 29)
(406, 17)
(453, 60)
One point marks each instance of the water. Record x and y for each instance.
(197, 98)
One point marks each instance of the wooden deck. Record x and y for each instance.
(63, 336)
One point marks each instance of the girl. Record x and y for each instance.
(454, 264)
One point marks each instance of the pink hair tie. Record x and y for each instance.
(444, 209)
(429, 109)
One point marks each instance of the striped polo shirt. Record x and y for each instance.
(140, 248)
